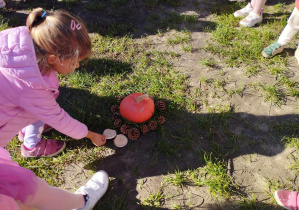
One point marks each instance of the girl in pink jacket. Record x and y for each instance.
(30, 57)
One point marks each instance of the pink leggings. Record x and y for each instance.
(22, 185)
(49, 198)
(46, 198)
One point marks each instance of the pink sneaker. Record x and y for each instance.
(287, 199)
(44, 148)
(47, 128)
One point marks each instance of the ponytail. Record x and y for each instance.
(53, 34)
(35, 18)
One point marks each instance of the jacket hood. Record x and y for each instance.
(18, 59)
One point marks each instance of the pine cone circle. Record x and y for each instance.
(160, 105)
(117, 122)
(161, 120)
(120, 98)
(115, 108)
(133, 134)
(116, 115)
(124, 129)
(152, 125)
(144, 129)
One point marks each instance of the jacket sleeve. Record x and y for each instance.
(42, 105)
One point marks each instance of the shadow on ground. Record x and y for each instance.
(179, 145)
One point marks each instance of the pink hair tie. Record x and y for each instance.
(75, 26)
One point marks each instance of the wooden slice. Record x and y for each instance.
(109, 133)
(120, 140)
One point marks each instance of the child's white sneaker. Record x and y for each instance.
(252, 19)
(94, 189)
(244, 11)
(2, 4)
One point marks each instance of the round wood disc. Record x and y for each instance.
(120, 140)
(109, 133)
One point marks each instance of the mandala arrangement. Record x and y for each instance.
(137, 114)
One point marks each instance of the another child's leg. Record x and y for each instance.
(85, 198)
(294, 24)
(35, 146)
(285, 37)
(291, 28)
(258, 5)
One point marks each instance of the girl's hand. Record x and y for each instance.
(97, 139)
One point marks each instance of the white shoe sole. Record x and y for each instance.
(251, 25)
(278, 201)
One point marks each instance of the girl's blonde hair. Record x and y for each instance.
(55, 34)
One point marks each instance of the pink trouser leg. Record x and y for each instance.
(49, 198)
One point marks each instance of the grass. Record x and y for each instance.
(241, 46)
(177, 179)
(155, 199)
(215, 177)
(203, 129)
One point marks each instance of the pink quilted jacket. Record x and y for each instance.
(26, 95)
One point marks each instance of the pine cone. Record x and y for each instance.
(133, 134)
(124, 129)
(144, 129)
(160, 105)
(116, 115)
(152, 125)
(120, 98)
(115, 108)
(117, 122)
(161, 120)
